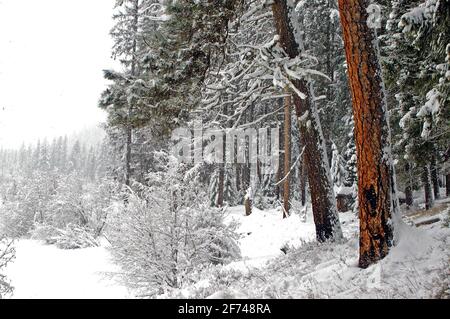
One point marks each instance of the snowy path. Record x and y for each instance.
(42, 271)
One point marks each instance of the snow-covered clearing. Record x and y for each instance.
(418, 267)
(45, 271)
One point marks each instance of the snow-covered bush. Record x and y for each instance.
(68, 205)
(72, 237)
(78, 203)
(7, 254)
(46, 233)
(166, 229)
(26, 202)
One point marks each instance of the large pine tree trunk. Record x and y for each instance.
(287, 154)
(322, 198)
(425, 176)
(371, 132)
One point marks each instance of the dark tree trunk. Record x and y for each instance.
(129, 129)
(371, 132)
(246, 167)
(322, 198)
(220, 190)
(408, 190)
(427, 187)
(248, 203)
(221, 186)
(447, 185)
(280, 170)
(238, 169)
(434, 177)
(303, 181)
(287, 155)
(128, 155)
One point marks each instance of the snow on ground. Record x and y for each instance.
(418, 267)
(45, 271)
(263, 233)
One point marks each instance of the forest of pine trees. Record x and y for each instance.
(360, 104)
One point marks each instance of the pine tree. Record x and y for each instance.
(372, 133)
(322, 196)
(417, 36)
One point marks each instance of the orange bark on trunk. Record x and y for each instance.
(371, 132)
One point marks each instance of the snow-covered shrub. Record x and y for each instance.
(15, 219)
(46, 233)
(78, 203)
(72, 237)
(7, 254)
(67, 209)
(446, 222)
(264, 193)
(262, 200)
(166, 229)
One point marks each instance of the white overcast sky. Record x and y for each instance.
(52, 53)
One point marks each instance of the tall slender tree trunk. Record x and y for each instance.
(246, 170)
(287, 154)
(128, 154)
(220, 190)
(372, 133)
(221, 186)
(408, 188)
(330, 54)
(425, 177)
(434, 177)
(303, 181)
(238, 168)
(280, 170)
(129, 129)
(323, 201)
(447, 185)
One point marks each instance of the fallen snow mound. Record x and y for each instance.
(45, 271)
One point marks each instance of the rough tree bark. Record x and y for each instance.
(323, 201)
(371, 132)
(287, 154)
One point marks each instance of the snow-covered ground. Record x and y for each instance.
(417, 267)
(44, 271)
(263, 233)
